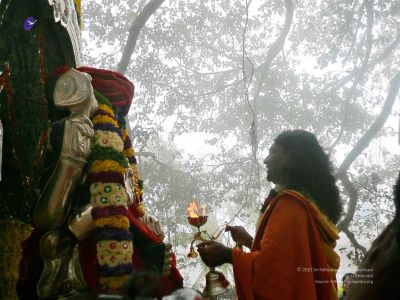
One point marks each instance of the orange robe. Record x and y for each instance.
(292, 256)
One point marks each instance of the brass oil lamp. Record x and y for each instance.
(216, 283)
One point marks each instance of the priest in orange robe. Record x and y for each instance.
(292, 255)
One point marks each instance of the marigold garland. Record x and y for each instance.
(138, 207)
(107, 177)
(78, 12)
(107, 167)
(111, 156)
(106, 109)
(112, 221)
(102, 153)
(108, 127)
(109, 139)
(102, 119)
(100, 212)
(109, 233)
(109, 200)
(129, 152)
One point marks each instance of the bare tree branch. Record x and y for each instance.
(353, 240)
(194, 71)
(357, 149)
(370, 22)
(355, 33)
(134, 32)
(153, 156)
(385, 54)
(356, 72)
(359, 72)
(375, 127)
(353, 195)
(276, 47)
(188, 96)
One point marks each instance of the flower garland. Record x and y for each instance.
(78, 12)
(107, 166)
(137, 208)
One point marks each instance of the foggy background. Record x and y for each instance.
(216, 81)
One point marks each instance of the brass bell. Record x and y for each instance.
(216, 284)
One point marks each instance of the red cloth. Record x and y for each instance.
(112, 85)
(32, 264)
(287, 260)
(89, 260)
(174, 280)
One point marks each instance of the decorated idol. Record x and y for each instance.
(91, 229)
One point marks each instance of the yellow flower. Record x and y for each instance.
(100, 119)
(106, 108)
(107, 165)
(141, 209)
(135, 170)
(129, 152)
(114, 221)
(124, 134)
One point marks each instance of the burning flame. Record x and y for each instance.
(193, 210)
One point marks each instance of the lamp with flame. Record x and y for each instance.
(194, 217)
(216, 282)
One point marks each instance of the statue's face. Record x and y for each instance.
(92, 105)
(74, 92)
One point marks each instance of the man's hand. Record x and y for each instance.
(240, 235)
(214, 254)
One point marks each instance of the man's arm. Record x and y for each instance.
(240, 235)
(282, 266)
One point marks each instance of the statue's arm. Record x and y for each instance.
(74, 92)
(52, 208)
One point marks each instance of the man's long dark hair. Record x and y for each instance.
(310, 170)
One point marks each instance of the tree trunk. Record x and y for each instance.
(134, 32)
(356, 151)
